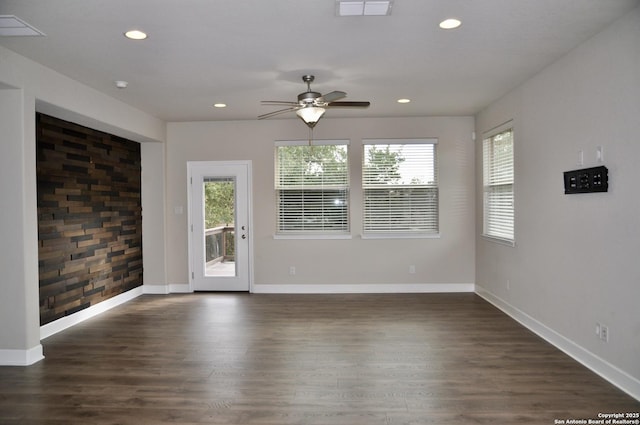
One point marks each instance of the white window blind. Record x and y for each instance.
(312, 186)
(399, 179)
(498, 184)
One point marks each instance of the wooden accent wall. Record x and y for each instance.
(89, 216)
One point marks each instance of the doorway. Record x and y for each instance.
(219, 225)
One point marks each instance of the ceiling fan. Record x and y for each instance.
(311, 105)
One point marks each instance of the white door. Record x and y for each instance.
(219, 225)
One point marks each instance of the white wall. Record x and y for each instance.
(575, 262)
(448, 260)
(25, 87)
(153, 217)
(67, 99)
(19, 318)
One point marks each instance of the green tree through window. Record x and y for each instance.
(312, 185)
(219, 202)
(400, 188)
(382, 165)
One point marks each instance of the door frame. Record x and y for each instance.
(191, 166)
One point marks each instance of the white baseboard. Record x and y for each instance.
(328, 289)
(82, 315)
(180, 288)
(611, 373)
(173, 288)
(21, 357)
(364, 288)
(156, 289)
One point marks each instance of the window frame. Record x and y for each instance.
(487, 166)
(309, 233)
(401, 234)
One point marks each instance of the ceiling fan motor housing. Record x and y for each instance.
(308, 97)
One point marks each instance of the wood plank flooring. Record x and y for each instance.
(303, 359)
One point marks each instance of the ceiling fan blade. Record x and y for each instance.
(334, 95)
(348, 104)
(280, 111)
(278, 102)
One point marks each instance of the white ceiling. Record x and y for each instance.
(239, 52)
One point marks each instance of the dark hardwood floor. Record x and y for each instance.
(303, 359)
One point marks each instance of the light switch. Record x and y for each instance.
(586, 180)
(599, 154)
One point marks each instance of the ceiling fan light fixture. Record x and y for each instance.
(310, 114)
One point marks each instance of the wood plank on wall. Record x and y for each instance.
(89, 216)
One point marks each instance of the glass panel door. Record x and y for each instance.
(219, 243)
(219, 219)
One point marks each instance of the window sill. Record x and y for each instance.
(400, 236)
(307, 236)
(500, 241)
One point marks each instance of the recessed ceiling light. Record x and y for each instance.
(450, 24)
(135, 35)
(219, 105)
(121, 84)
(404, 100)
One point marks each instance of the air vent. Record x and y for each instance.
(363, 7)
(12, 26)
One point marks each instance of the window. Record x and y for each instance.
(497, 171)
(400, 187)
(312, 186)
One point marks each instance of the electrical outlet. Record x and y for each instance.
(292, 270)
(587, 180)
(412, 269)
